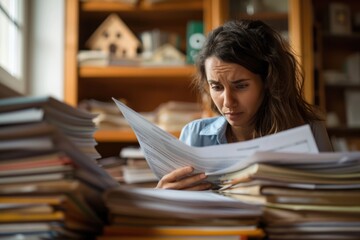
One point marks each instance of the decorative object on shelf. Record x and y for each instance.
(280, 6)
(352, 68)
(166, 54)
(332, 119)
(153, 39)
(356, 22)
(195, 40)
(353, 108)
(254, 6)
(114, 37)
(93, 58)
(339, 18)
(333, 77)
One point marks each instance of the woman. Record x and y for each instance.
(254, 82)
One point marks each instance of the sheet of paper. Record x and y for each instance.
(165, 153)
(327, 162)
(175, 203)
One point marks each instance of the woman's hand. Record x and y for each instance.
(182, 179)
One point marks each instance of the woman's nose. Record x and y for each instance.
(229, 99)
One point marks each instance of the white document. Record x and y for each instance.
(165, 153)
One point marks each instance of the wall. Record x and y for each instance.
(46, 48)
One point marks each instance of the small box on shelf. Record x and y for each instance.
(339, 18)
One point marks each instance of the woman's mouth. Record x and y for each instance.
(233, 116)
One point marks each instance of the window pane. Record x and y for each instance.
(11, 41)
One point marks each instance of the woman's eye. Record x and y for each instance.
(241, 86)
(216, 87)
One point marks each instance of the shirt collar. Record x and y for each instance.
(218, 128)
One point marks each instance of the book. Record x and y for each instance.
(169, 237)
(184, 231)
(21, 116)
(286, 174)
(38, 161)
(259, 188)
(37, 231)
(169, 221)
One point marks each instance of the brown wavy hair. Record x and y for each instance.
(259, 48)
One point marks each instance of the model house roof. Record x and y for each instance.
(114, 37)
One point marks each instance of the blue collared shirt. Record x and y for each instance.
(205, 132)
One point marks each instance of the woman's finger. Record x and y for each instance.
(178, 174)
(200, 187)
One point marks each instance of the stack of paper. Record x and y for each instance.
(49, 189)
(305, 193)
(136, 170)
(129, 168)
(307, 196)
(114, 167)
(77, 125)
(159, 213)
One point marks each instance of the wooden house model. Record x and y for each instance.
(114, 38)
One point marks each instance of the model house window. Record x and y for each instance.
(12, 52)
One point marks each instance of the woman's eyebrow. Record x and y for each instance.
(240, 81)
(212, 81)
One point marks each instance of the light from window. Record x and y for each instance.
(12, 44)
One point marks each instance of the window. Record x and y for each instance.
(12, 39)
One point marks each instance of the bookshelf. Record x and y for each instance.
(332, 83)
(145, 88)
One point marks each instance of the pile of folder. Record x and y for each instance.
(306, 196)
(144, 213)
(49, 187)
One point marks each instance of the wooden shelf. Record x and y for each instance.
(265, 16)
(339, 37)
(344, 131)
(123, 135)
(143, 72)
(179, 5)
(343, 86)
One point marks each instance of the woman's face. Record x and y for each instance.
(236, 91)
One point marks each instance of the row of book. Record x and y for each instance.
(170, 116)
